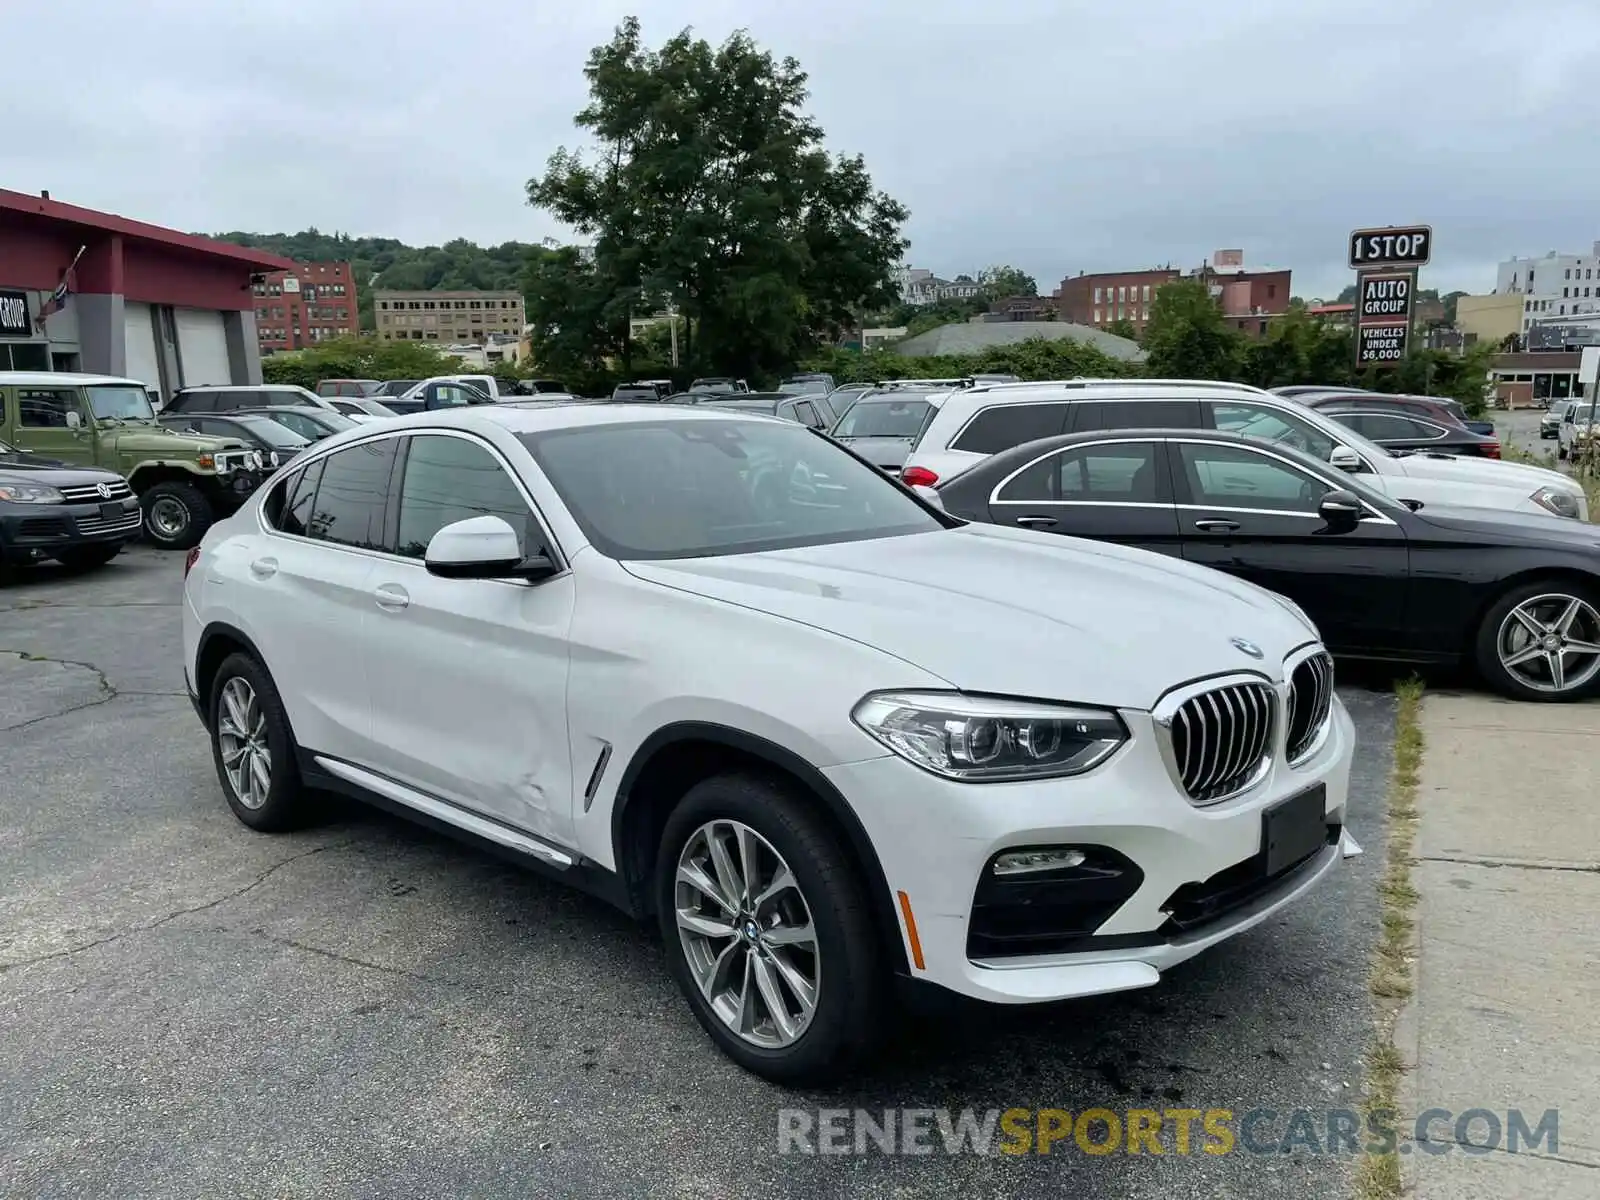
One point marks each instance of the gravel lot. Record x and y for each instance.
(365, 1009)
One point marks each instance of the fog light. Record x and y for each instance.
(1023, 862)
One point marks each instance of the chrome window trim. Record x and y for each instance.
(994, 496)
(1414, 418)
(563, 560)
(1263, 448)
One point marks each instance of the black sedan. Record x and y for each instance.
(313, 424)
(277, 442)
(1398, 430)
(79, 516)
(1442, 410)
(1517, 596)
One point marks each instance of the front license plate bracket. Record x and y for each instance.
(1294, 829)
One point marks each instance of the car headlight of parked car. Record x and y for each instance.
(30, 493)
(1557, 500)
(982, 740)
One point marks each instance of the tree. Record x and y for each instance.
(709, 188)
(1002, 281)
(1186, 337)
(1123, 328)
(357, 358)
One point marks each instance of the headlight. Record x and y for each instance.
(30, 493)
(272, 457)
(982, 740)
(1557, 500)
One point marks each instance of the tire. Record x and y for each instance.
(1503, 635)
(281, 804)
(845, 959)
(84, 558)
(176, 515)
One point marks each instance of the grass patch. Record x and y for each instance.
(1392, 980)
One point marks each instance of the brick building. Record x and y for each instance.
(1249, 296)
(1098, 300)
(311, 303)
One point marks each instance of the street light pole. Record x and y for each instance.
(672, 319)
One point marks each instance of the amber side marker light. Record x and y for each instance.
(911, 931)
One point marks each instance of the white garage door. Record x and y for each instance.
(139, 345)
(202, 346)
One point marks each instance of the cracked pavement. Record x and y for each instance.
(363, 1008)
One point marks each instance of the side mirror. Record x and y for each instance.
(1345, 459)
(1341, 510)
(483, 548)
(74, 420)
(930, 495)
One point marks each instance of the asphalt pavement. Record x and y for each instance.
(366, 1009)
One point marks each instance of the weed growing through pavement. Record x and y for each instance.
(1392, 977)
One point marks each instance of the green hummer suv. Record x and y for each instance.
(184, 481)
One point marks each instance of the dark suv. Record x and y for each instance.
(231, 399)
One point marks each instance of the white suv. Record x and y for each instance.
(972, 424)
(724, 674)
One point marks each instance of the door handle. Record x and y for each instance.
(1217, 526)
(264, 568)
(391, 597)
(1037, 522)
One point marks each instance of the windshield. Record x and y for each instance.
(889, 416)
(1276, 425)
(802, 386)
(691, 489)
(125, 401)
(713, 385)
(280, 437)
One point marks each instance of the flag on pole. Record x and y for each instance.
(58, 298)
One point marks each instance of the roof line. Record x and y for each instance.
(88, 218)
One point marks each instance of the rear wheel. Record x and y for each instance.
(176, 515)
(1541, 641)
(767, 930)
(83, 558)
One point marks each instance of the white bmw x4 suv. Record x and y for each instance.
(725, 674)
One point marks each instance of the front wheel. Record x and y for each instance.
(176, 515)
(253, 747)
(767, 930)
(1541, 642)
(84, 558)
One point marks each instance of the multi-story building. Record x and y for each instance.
(1249, 296)
(1109, 296)
(1557, 285)
(309, 304)
(466, 318)
(1491, 318)
(921, 286)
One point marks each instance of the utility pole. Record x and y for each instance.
(672, 319)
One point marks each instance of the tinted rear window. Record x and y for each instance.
(1004, 426)
(1137, 414)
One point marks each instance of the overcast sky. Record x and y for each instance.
(1057, 135)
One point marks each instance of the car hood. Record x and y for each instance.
(158, 440)
(1491, 471)
(1498, 526)
(1011, 611)
(888, 452)
(35, 468)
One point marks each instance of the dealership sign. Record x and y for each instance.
(14, 315)
(1394, 246)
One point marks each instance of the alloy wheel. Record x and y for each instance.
(747, 934)
(168, 516)
(242, 739)
(1550, 642)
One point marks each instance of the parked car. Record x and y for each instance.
(1399, 432)
(637, 393)
(353, 388)
(313, 424)
(362, 408)
(1015, 767)
(445, 391)
(1550, 420)
(1576, 428)
(393, 389)
(277, 442)
(971, 424)
(230, 398)
(1441, 410)
(79, 516)
(1517, 597)
(807, 383)
(811, 411)
(719, 383)
(882, 425)
(183, 481)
